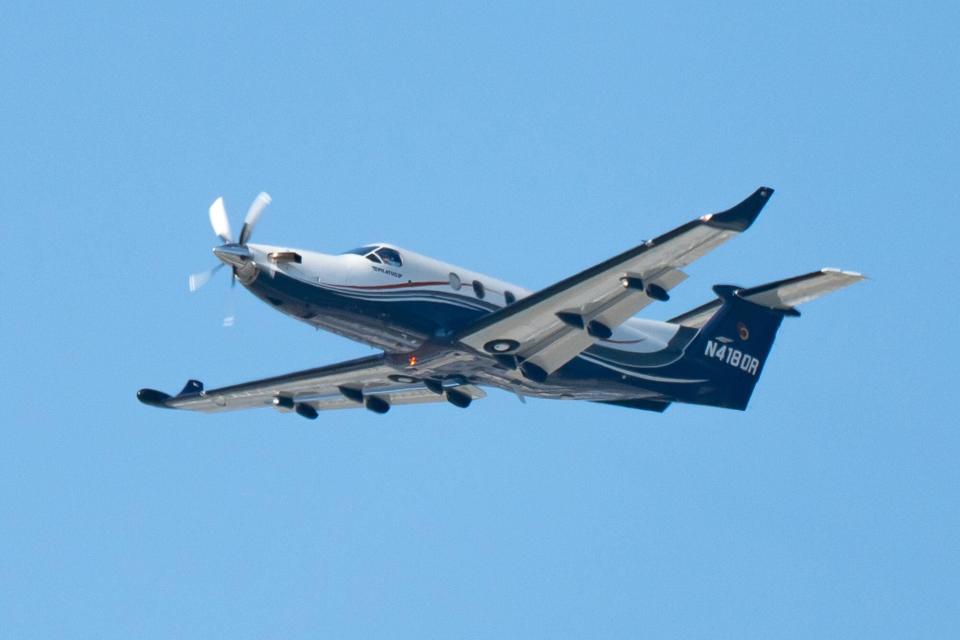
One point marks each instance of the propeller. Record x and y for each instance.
(221, 227)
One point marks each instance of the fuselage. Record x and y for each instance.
(402, 302)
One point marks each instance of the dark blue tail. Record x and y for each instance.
(731, 349)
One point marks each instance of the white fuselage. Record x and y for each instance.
(416, 278)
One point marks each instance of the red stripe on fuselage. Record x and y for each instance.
(400, 285)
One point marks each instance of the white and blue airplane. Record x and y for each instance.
(447, 332)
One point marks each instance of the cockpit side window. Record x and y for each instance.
(370, 252)
(390, 256)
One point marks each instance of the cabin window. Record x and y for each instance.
(390, 256)
(454, 281)
(508, 297)
(478, 289)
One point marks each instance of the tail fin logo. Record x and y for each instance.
(742, 331)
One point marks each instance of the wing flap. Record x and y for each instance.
(413, 395)
(555, 350)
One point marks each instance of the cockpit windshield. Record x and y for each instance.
(378, 254)
(362, 251)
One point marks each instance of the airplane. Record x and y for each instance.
(446, 333)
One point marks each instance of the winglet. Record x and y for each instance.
(741, 216)
(192, 386)
(156, 398)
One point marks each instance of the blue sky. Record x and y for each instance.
(527, 143)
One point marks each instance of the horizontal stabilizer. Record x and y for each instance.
(782, 295)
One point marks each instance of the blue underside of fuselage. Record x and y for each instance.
(393, 320)
(400, 321)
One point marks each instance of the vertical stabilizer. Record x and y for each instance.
(733, 347)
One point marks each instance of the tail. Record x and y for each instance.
(738, 329)
(732, 349)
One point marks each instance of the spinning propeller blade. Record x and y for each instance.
(197, 280)
(253, 214)
(219, 221)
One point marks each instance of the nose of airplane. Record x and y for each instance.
(235, 255)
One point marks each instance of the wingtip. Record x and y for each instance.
(851, 275)
(742, 215)
(153, 397)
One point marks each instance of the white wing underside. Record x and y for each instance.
(319, 388)
(601, 294)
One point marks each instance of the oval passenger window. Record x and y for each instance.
(508, 297)
(478, 289)
(454, 281)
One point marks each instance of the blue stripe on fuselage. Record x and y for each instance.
(385, 318)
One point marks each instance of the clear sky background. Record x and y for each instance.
(527, 143)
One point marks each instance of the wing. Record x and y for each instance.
(370, 382)
(782, 294)
(552, 326)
